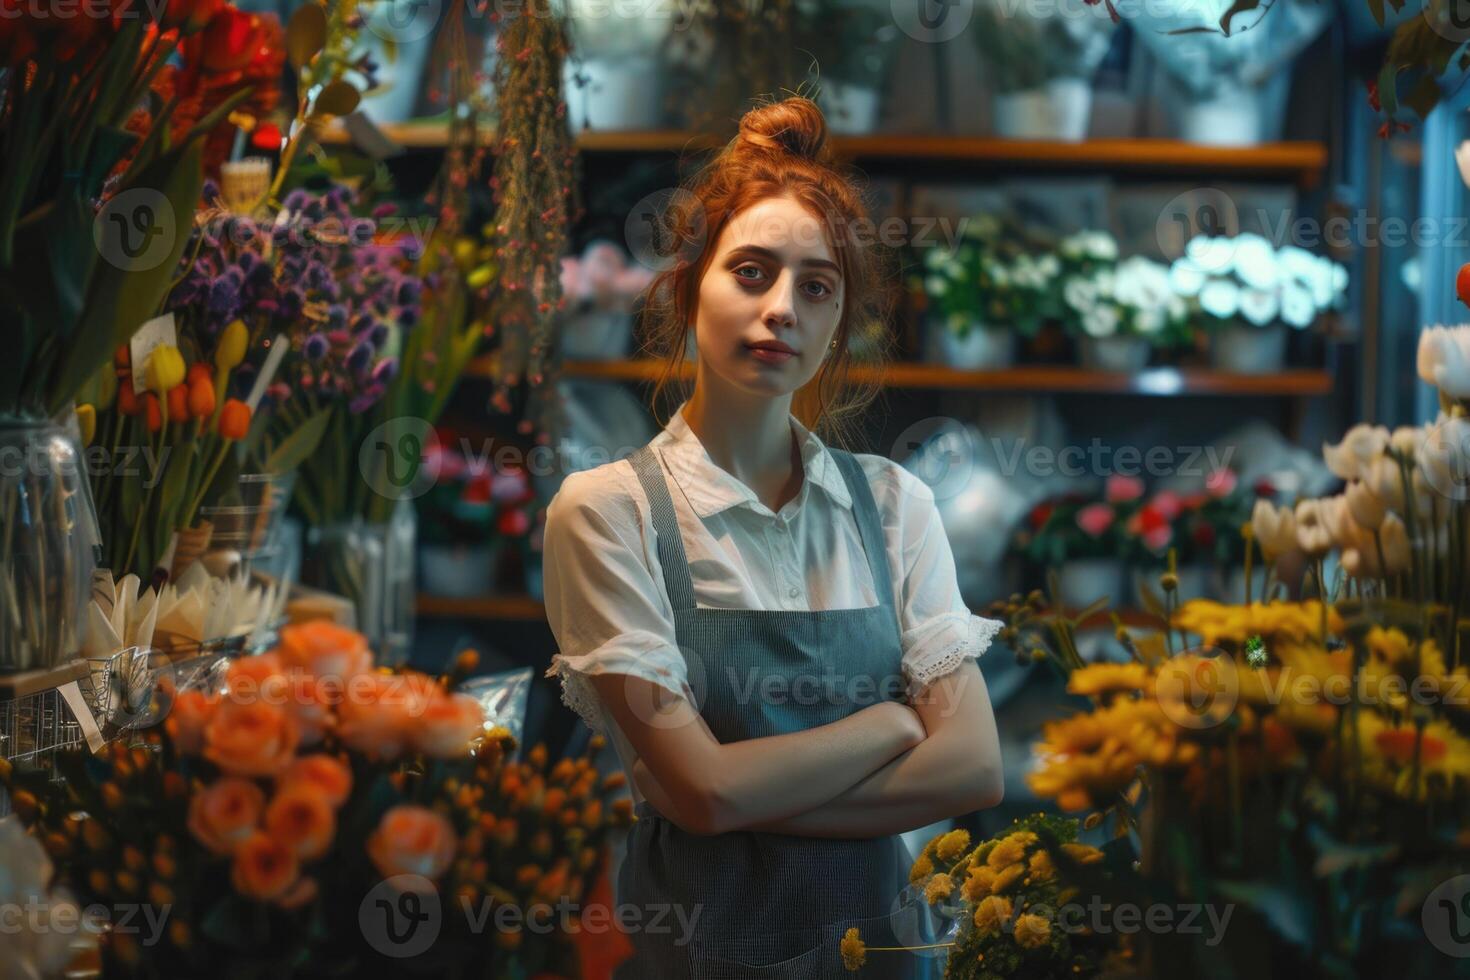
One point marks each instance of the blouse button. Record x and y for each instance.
(794, 592)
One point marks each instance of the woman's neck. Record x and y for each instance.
(750, 438)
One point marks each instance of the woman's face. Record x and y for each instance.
(770, 299)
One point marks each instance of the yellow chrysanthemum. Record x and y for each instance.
(939, 888)
(1032, 931)
(1108, 678)
(1390, 753)
(854, 950)
(1006, 877)
(952, 845)
(1010, 850)
(991, 913)
(923, 868)
(1041, 867)
(1217, 622)
(979, 883)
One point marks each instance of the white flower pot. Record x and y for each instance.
(850, 109)
(1085, 580)
(1023, 115)
(597, 335)
(1237, 114)
(458, 571)
(621, 94)
(982, 348)
(1126, 354)
(1071, 108)
(1244, 349)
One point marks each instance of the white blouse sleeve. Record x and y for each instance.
(938, 631)
(604, 592)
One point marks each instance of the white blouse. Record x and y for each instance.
(604, 591)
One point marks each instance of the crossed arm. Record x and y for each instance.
(884, 769)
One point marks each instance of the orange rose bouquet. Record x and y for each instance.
(274, 822)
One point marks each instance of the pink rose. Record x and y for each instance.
(1095, 519)
(1221, 482)
(1122, 489)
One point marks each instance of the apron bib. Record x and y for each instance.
(771, 905)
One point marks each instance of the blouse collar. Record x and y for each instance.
(710, 489)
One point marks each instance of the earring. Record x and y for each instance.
(834, 344)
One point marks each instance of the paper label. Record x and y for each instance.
(159, 330)
(83, 712)
(279, 347)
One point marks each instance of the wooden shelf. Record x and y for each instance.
(496, 607)
(1300, 160)
(1158, 382)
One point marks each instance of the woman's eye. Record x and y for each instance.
(819, 289)
(739, 273)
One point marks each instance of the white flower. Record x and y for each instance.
(1311, 528)
(1049, 265)
(1395, 539)
(1462, 160)
(1362, 445)
(1255, 262)
(1273, 528)
(1186, 277)
(1258, 306)
(1080, 294)
(1297, 308)
(1143, 283)
(1149, 321)
(1444, 359)
(936, 286)
(1297, 263)
(1101, 321)
(1215, 256)
(1444, 456)
(1365, 506)
(34, 945)
(1220, 298)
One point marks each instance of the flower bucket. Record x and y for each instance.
(850, 109)
(373, 566)
(1244, 349)
(1024, 115)
(1071, 108)
(982, 348)
(621, 94)
(48, 544)
(1085, 580)
(1125, 354)
(597, 335)
(458, 571)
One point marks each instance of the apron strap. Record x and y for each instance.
(870, 524)
(677, 582)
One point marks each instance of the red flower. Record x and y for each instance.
(267, 138)
(231, 40)
(1264, 488)
(513, 522)
(1041, 513)
(190, 15)
(1373, 102)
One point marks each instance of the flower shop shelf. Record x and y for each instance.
(495, 607)
(1301, 160)
(1039, 378)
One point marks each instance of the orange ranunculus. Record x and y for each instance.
(324, 649)
(301, 817)
(256, 678)
(178, 403)
(447, 726)
(412, 840)
(264, 868)
(309, 704)
(329, 777)
(234, 419)
(224, 814)
(187, 716)
(251, 739)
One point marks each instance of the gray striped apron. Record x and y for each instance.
(770, 905)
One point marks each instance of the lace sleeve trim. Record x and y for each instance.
(945, 659)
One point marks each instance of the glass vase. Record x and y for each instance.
(372, 565)
(48, 544)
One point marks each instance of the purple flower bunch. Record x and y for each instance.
(342, 292)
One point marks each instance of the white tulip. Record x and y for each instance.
(1395, 539)
(1311, 533)
(1387, 482)
(1273, 528)
(1444, 359)
(1462, 160)
(1339, 520)
(1349, 458)
(1444, 457)
(1366, 507)
(1406, 439)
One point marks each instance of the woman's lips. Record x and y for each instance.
(771, 355)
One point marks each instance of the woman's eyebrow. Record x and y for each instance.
(766, 253)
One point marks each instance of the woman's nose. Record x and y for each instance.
(781, 303)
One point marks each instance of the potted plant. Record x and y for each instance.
(467, 517)
(1041, 66)
(1203, 528)
(1247, 293)
(1121, 311)
(981, 295)
(601, 289)
(613, 79)
(853, 48)
(1083, 539)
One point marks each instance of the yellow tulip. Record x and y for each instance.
(232, 344)
(87, 421)
(165, 369)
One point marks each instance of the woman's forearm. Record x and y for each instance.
(815, 765)
(942, 777)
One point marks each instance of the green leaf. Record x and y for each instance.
(337, 99)
(1375, 7)
(121, 297)
(306, 34)
(291, 451)
(1388, 95)
(1285, 911)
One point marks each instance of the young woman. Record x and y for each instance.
(769, 629)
